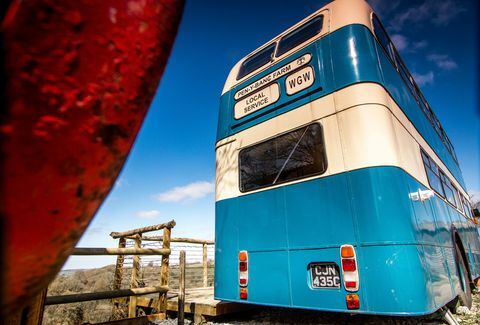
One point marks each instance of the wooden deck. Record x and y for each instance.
(199, 302)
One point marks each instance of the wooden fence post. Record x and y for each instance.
(181, 290)
(205, 265)
(162, 303)
(117, 280)
(132, 304)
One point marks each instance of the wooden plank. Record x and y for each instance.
(167, 225)
(164, 271)
(120, 251)
(132, 304)
(117, 279)
(78, 297)
(176, 240)
(198, 301)
(181, 290)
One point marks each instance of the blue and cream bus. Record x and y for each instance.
(337, 188)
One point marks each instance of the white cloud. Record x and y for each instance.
(121, 182)
(423, 79)
(474, 196)
(439, 13)
(443, 61)
(148, 214)
(192, 191)
(419, 45)
(403, 44)
(400, 41)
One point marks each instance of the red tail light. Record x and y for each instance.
(243, 293)
(243, 271)
(350, 284)
(349, 265)
(351, 279)
(242, 266)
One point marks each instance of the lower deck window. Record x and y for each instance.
(291, 156)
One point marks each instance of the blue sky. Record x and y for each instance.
(171, 169)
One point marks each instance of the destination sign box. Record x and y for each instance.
(282, 71)
(299, 80)
(256, 101)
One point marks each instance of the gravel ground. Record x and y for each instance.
(280, 316)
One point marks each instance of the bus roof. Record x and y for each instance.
(337, 14)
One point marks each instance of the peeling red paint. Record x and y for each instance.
(80, 77)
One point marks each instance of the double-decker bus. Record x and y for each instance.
(337, 188)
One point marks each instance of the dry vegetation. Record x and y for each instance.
(101, 279)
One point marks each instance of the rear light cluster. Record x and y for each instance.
(349, 268)
(353, 301)
(243, 274)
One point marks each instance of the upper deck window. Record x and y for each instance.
(299, 35)
(256, 61)
(383, 38)
(294, 155)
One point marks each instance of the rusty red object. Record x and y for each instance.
(80, 76)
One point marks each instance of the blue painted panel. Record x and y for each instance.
(426, 227)
(326, 206)
(354, 57)
(394, 280)
(437, 272)
(226, 249)
(443, 221)
(405, 255)
(382, 206)
(261, 220)
(268, 278)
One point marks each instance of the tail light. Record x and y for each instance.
(353, 301)
(243, 270)
(243, 293)
(349, 269)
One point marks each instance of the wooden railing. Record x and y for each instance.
(121, 251)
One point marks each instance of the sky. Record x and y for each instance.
(170, 171)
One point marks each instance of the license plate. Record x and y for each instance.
(325, 275)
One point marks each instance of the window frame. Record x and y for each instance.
(444, 181)
(411, 84)
(388, 51)
(273, 45)
(322, 136)
(298, 29)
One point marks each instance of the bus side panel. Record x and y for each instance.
(435, 261)
(394, 280)
(386, 219)
(382, 206)
(226, 249)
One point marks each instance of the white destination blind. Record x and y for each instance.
(256, 101)
(299, 80)
(295, 64)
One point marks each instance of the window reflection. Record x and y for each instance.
(294, 155)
